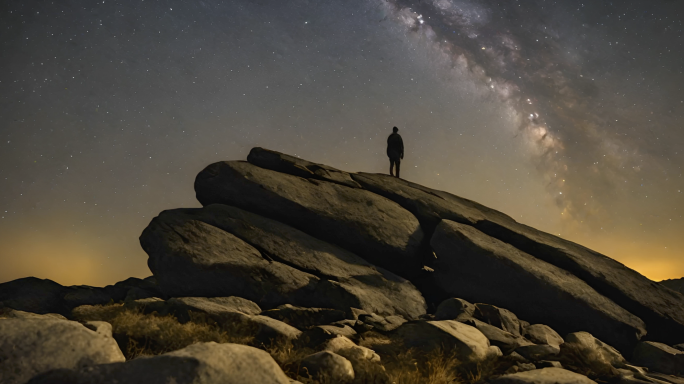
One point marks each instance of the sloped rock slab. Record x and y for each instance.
(344, 280)
(29, 346)
(660, 308)
(198, 363)
(468, 343)
(532, 288)
(301, 317)
(659, 357)
(280, 162)
(369, 225)
(543, 376)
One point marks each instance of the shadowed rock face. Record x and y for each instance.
(222, 251)
(369, 225)
(660, 308)
(481, 268)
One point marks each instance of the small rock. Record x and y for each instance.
(383, 324)
(658, 357)
(543, 376)
(548, 364)
(455, 309)
(327, 365)
(347, 348)
(542, 334)
(520, 367)
(537, 352)
(321, 333)
(498, 317)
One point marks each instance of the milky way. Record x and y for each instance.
(566, 116)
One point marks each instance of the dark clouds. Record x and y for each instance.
(111, 108)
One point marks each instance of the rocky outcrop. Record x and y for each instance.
(660, 308)
(198, 363)
(247, 255)
(659, 357)
(674, 284)
(536, 290)
(31, 345)
(369, 225)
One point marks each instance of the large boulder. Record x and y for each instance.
(280, 162)
(192, 258)
(198, 363)
(533, 289)
(369, 225)
(292, 267)
(499, 317)
(660, 308)
(351, 280)
(659, 357)
(467, 343)
(29, 346)
(543, 376)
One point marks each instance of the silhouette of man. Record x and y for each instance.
(395, 150)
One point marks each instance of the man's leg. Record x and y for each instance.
(398, 162)
(391, 167)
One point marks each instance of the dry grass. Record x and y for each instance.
(587, 362)
(141, 334)
(150, 334)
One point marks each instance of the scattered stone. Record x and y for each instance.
(329, 366)
(455, 309)
(29, 346)
(369, 225)
(498, 317)
(347, 348)
(382, 324)
(543, 376)
(467, 342)
(534, 289)
(506, 341)
(283, 163)
(301, 317)
(542, 334)
(537, 352)
(658, 357)
(198, 363)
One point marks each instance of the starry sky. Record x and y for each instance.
(567, 116)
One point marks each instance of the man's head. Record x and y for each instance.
(395, 129)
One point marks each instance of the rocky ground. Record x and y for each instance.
(296, 271)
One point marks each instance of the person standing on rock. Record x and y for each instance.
(395, 150)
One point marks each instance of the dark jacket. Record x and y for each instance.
(395, 147)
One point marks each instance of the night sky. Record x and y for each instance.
(569, 117)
